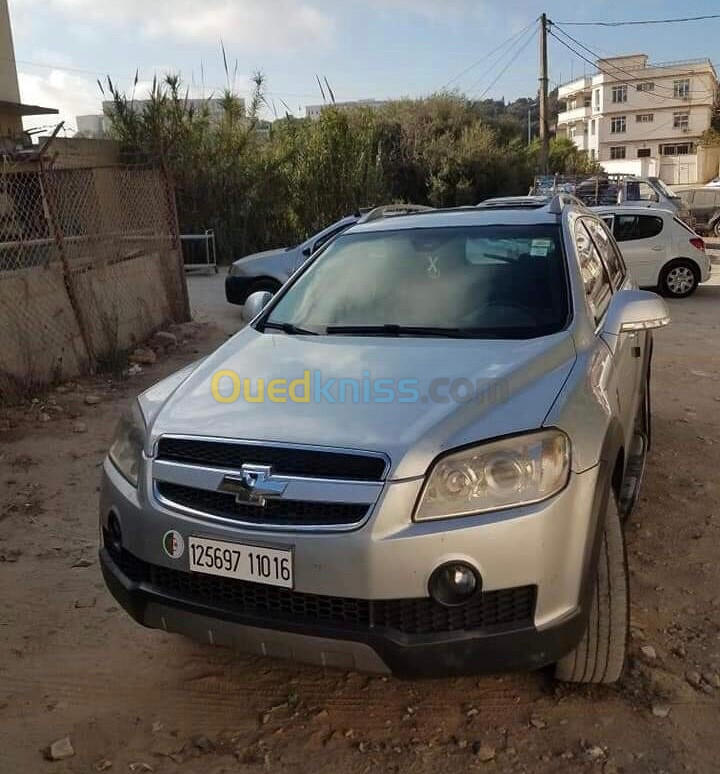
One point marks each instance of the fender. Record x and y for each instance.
(612, 446)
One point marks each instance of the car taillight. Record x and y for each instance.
(698, 243)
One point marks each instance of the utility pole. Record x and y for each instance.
(543, 97)
(530, 125)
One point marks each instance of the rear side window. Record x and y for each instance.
(629, 227)
(608, 251)
(598, 291)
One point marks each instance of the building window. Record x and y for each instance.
(597, 99)
(619, 93)
(617, 151)
(573, 131)
(644, 118)
(586, 100)
(617, 124)
(677, 149)
(681, 88)
(646, 86)
(681, 121)
(592, 127)
(592, 154)
(643, 153)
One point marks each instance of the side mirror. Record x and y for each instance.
(634, 310)
(255, 303)
(307, 252)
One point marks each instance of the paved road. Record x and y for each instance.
(207, 300)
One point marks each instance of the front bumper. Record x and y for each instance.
(371, 650)
(549, 546)
(236, 289)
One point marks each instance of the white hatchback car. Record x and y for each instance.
(659, 249)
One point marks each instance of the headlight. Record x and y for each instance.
(126, 449)
(515, 471)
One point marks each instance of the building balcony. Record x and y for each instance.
(577, 86)
(576, 114)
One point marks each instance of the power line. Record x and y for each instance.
(512, 38)
(505, 68)
(517, 54)
(642, 21)
(702, 93)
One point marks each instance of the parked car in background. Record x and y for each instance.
(704, 204)
(458, 511)
(611, 190)
(270, 269)
(660, 250)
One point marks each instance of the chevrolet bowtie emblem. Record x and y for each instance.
(254, 486)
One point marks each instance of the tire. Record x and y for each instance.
(266, 283)
(716, 228)
(679, 278)
(600, 655)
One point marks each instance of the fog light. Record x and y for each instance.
(454, 583)
(114, 533)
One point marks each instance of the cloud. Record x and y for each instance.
(253, 25)
(72, 94)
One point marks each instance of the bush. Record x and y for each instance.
(259, 192)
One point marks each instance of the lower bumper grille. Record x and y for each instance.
(274, 512)
(504, 609)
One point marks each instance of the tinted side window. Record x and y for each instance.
(604, 243)
(595, 279)
(629, 227)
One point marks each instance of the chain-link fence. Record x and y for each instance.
(89, 267)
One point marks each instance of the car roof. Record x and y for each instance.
(461, 216)
(522, 201)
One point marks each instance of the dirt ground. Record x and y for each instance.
(72, 664)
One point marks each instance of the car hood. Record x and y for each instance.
(265, 254)
(519, 381)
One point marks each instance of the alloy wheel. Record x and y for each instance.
(680, 279)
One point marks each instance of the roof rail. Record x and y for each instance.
(390, 210)
(560, 200)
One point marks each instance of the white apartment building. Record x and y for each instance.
(314, 111)
(642, 118)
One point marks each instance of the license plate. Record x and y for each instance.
(272, 566)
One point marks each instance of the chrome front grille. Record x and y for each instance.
(286, 460)
(321, 489)
(278, 512)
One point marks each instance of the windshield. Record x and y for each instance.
(482, 281)
(664, 190)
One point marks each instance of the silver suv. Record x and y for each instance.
(416, 458)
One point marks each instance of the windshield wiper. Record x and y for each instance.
(289, 328)
(391, 329)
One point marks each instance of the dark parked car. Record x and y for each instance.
(704, 204)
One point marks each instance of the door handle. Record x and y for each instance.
(657, 248)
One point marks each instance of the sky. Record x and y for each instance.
(365, 48)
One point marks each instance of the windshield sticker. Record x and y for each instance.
(540, 248)
(433, 269)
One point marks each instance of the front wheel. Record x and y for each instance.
(600, 655)
(716, 228)
(679, 279)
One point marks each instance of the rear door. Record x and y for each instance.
(644, 244)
